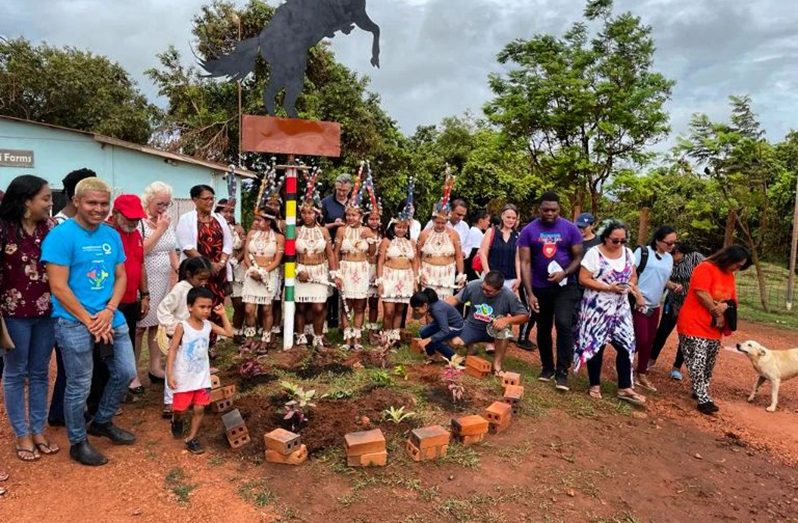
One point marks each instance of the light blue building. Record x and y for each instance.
(50, 151)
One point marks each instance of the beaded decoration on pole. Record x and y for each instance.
(443, 207)
(312, 197)
(356, 199)
(373, 205)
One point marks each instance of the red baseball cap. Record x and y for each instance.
(130, 206)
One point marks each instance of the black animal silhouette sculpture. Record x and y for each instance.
(297, 25)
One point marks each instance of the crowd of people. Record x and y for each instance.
(101, 280)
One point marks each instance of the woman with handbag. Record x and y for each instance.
(709, 313)
(25, 305)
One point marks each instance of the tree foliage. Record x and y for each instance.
(584, 107)
(72, 88)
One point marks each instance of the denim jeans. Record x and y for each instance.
(30, 360)
(427, 331)
(77, 349)
(56, 414)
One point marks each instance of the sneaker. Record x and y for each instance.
(177, 428)
(526, 345)
(562, 383)
(194, 446)
(546, 375)
(676, 375)
(707, 408)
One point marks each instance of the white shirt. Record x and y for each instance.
(473, 240)
(192, 368)
(174, 308)
(415, 230)
(590, 260)
(461, 229)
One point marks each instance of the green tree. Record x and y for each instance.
(736, 156)
(72, 88)
(583, 107)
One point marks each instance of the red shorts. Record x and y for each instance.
(182, 401)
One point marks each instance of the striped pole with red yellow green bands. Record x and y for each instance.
(289, 306)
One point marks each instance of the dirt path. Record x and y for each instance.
(570, 462)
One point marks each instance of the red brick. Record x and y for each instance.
(478, 364)
(223, 393)
(415, 345)
(372, 459)
(496, 428)
(365, 442)
(513, 393)
(297, 457)
(432, 436)
(511, 378)
(238, 437)
(282, 441)
(232, 420)
(499, 412)
(222, 406)
(469, 426)
(215, 382)
(470, 440)
(425, 454)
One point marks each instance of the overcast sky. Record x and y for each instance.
(436, 54)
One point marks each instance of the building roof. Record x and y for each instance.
(244, 173)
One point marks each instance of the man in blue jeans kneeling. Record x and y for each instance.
(85, 266)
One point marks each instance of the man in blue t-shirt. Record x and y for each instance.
(333, 216)
(491, 304)
(550, 249)
(85, 266)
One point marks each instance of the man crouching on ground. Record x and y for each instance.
(85, 266)
(490, 303)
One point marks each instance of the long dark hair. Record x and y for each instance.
(730, 255)
(191, 266)
(609, 227)
(390, 232)
(660, 234)
(683, 247)
(20, 190)
(425, 297)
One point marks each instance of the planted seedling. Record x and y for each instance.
(380, 377)
(250, 368)
(452, 377)
(396, 415)
(400, 371)
(298, 405)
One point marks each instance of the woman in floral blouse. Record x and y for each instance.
(25, 305)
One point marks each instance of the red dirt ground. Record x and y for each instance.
(668, 463)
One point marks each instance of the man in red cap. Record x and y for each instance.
(126, 219)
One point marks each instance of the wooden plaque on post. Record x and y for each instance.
(269, 134)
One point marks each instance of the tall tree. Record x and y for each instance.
(744, 166)
(72, 88)
(584, 107)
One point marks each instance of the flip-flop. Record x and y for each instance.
(47, 448)
(634, 399)
(33, 453)
(595, 393)
(2, 491)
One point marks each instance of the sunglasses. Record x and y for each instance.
(617, 241)
(669, 244)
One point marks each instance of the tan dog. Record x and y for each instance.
(772, 365)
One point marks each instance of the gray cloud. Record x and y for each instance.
(436, 54)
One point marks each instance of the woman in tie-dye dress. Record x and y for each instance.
(608, 275)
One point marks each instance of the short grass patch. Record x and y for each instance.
(257, 493)
(176, 481)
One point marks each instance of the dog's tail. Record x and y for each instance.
(236, 64)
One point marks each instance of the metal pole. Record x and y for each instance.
(793, 248)
(289, 307)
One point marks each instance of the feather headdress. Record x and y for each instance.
(373, 205)
(356, 200)
(312, 198)
(443, 207)
(409, 210)
(268, 200)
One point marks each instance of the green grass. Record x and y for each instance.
(257, 493)
(776, 294)
(176, 482)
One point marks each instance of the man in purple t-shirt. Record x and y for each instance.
(550, 249)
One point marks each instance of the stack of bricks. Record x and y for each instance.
(469, 430)
(221, 397)
(235, 429)
(499, 416)
(428, 443)
(365, 449)
(477, 367)
(513, 394)
(285, 447)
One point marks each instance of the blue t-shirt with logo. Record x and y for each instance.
(484, 310)
(92, 257)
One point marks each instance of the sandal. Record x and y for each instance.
(47, 448)
(4, 476)
(595, 392)
(2, 491)
(632, 397)
(27, 454)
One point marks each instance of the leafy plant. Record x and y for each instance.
(341, 394)
(453, 375)
(380, 378)
(250, 368)
(400, 371)
(300, 402)
(396, 415)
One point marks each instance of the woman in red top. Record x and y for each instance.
(25, 305)
(702, 320)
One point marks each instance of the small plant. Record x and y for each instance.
(300, 402)
(400, 371)
(396, 415)
(341, 394)
(250, 368)
(380, 378)
(453, 375)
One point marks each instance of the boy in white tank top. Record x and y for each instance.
(188, 369)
